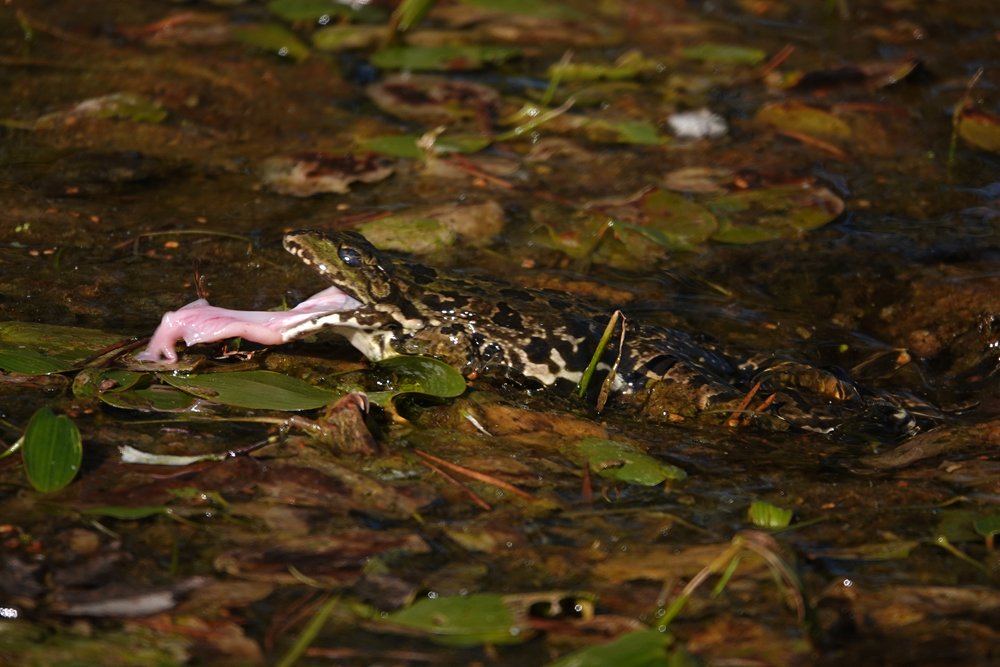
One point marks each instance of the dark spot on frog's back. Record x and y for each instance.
(517, 294)
(507, 317)
(538, 350)
(423, 275)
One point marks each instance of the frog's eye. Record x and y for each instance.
(350, 257)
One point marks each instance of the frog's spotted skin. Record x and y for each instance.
(484, 325)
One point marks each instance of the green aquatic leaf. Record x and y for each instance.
(30, 362)
(128, 106)
(725, 53)
(127, 512)
(424, 375)
(766, 515)
(347, 37)
(274, 38)
(772, 213)
(70, 344)
(156, 398)
(442, 57)
(805, 119)
(409, 13)
(639, 132)
(540, 8)
(988, 526)
(468, 620)
(259, 390)
(644, 648)
(52, 451)
(92, 382)
(615, 460)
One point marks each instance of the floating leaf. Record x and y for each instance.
(645, 648)
(803, 118)
(93, 382)
(724, 53)
(772, 213)
(615, 460)
(273, 38)
(424, 375)
(52, 451)
(640, 132)
(442, 57)
(766, 515)
(127, 512)
(30, 362)
(980, 128)
(347, 37)
(156, 398)
(467, 620)
(261, 390)
(70, 344)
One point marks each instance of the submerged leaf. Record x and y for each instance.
(615, 460)
(261, 390)
(52, 451)
(273, 38)
(127, 512)
(803, 118)
(725, 53)
(645, 648)
(467, 620)
(442, 57)
(771, 213)
(128, 106)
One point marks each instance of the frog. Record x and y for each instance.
(386, 306)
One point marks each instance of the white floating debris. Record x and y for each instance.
(698, 124)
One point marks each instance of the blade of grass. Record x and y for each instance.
(581, 388)
(309, 633)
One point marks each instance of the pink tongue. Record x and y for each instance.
(199, 322)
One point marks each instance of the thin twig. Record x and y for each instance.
(813, 141)
(478, 476)
(459, 162)
(732, 421)
(472, 494)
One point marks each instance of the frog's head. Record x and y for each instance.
(348, 261)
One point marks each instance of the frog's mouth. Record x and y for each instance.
(200, 322)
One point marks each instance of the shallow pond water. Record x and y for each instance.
(838, 211)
